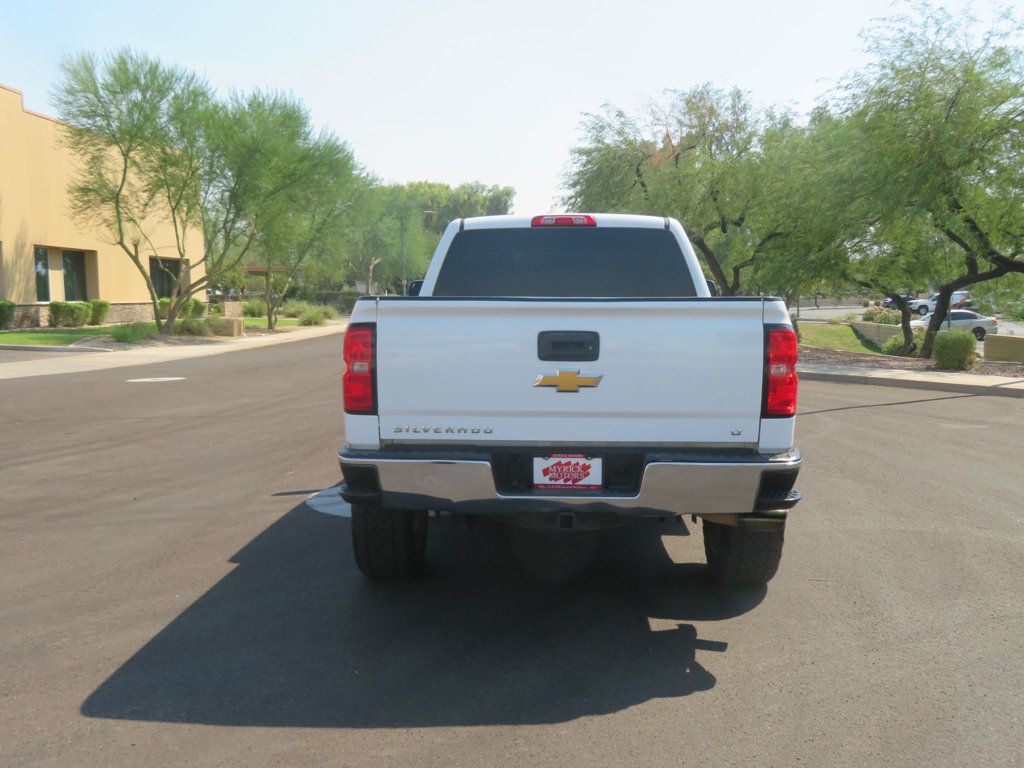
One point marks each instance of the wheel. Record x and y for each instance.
(388, 543)
(922, 310)
(738, 555)
(979, 334)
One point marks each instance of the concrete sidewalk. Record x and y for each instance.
(84, 362)
(968, 383)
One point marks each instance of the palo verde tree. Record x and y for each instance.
(305, 220)
(706, 156)
(135, 126)
(155, 148)
(837, 241)
(938, 124)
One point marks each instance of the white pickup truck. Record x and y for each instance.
(569, 371)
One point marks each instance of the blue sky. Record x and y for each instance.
(459, 91)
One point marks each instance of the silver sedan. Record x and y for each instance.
(963, 320)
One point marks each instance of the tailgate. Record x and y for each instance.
(672, 372)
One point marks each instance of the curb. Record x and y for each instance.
(51, 348)
(938, 386)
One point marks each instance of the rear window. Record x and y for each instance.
(574, 262)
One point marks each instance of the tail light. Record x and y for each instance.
(359, 382)
(780, 380)
(564, 220)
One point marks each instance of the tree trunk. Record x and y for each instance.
(713, 264)
(938, 316)
(167, 329)
(908, 333)
(271, 320)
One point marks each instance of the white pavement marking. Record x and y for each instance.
(155, 379)
(330, 502)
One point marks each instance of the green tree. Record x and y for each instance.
(135, 125)
(938, 125)
(155, 146)
(707, 157)
(307, 220)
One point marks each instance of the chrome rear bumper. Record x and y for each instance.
(726, 487)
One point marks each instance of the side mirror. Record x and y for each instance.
(712, 288)
(414, 288)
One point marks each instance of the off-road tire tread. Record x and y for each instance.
(385, 542)
(737, 555)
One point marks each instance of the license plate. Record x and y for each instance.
(567, 470)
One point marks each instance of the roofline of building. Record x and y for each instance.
(21, 98)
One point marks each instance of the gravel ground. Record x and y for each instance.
(835, 357)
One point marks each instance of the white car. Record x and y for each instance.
(963, 320)
(924, 306)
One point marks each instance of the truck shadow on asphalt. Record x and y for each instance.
(294, 636)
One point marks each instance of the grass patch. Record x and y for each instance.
(838, 337)
(132, 332)
(51, 337)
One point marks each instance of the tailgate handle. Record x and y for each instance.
(575, 346)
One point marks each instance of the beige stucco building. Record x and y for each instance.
(45, 254)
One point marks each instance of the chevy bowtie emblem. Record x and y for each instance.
(568, 381)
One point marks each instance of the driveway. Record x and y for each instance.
(167, 596)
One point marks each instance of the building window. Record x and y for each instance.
(42, 273)
(164, 273)
(74, 276)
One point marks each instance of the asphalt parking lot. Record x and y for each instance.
(168, 598)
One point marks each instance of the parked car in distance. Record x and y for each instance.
(963, 320)
(888, 303)
(958, 300)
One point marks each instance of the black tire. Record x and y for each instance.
(979, 334)
(922, 310)
(388, 543)
(738, 555)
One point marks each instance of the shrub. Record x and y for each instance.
(191, 307)
(883, 316)
(314, 316)
(254, 309)
(57, 311)
(866, 303)
(6, 313)
(69, 314)
(193, 326)
(1015, 311)
(98, 311)
(836, 321)
(893, 345)
(132, 332)
(294, 308)
(955, 350)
